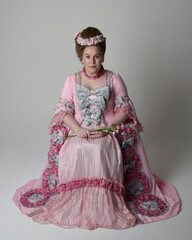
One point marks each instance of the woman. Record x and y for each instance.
(95, 179)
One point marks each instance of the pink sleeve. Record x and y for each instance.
(65, 105)
(68, 92)
(119, 86)
(123, 102)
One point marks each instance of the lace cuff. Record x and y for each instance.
(124, 104)
(63, 107)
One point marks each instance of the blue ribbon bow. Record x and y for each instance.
(84, 102)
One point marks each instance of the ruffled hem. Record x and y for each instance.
(87, 208)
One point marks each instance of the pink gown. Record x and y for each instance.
(96, 183)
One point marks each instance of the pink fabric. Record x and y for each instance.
(92, 182)
(87, 208)
(160, 188)
(90, 159)
(69, 93)
(83, 208)
(92, 174)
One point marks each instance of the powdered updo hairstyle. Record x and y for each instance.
(88, 33)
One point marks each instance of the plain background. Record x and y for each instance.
(148, 43)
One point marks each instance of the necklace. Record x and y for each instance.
(101, 72)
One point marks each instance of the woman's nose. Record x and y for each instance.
(93, 60)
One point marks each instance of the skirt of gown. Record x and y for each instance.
(97, 183)
(91, 183)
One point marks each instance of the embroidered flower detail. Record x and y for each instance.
(57, 137)
(54, 159)
(128, 142)
(149, 205)
(128, 165)
(35, 197)
(137, 185)
(52, 181)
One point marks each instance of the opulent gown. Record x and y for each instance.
(96, 183)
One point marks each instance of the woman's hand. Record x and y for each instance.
(75, 127)
(97, 134)
(81, 132)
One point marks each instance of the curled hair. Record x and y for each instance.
(88, 33)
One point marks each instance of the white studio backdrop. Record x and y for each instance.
(148, 44)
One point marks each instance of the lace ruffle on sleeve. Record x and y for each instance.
(124, 104)
(62, 108)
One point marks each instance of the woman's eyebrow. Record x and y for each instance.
(93, 55)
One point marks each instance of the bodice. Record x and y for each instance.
(92, 103)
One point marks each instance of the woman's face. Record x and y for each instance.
(92, 59)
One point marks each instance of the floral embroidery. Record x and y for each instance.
(150, 205)
(85, 101)
(57, 137)
(35, 197)
(38, 197)
(52, 181)
(137, 185)
(128, 164)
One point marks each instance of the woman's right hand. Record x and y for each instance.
(75, 127)
(81, 132)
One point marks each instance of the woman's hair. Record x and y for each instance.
(88, 33)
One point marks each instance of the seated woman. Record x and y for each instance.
(96, 179)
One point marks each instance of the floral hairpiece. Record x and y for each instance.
(89, 41)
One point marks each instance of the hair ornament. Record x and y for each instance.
(89, 41)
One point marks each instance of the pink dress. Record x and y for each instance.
(96, 183)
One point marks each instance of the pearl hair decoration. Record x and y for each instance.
(89, 41)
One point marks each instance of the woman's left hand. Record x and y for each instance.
(97, 134)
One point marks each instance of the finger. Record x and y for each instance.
(95, 136)
(94, 133)
(87, 134)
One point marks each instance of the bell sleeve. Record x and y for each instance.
(124, 104)
(65, 105)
